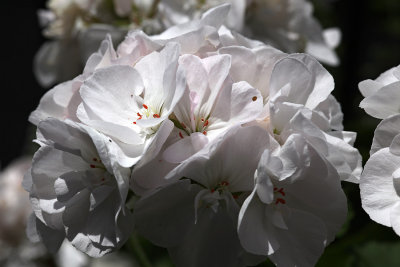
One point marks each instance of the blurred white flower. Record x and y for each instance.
(14, 202)
(290, 26)
(77, 27)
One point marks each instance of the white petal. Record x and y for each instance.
(378, 194)
(385, 133)
(383, 103)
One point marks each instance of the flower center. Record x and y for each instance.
(193, 125)
(147, 113)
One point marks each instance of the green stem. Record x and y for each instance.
(138, 250)
(153, 9)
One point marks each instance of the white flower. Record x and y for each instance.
(77, 27)
(379, 183)
(296, 207)
(196, 217)
(211, 105)
(132, 105)
(78, 189)
(382, 95)
(289, 25)
(300, 102)
(173, 12)
(14, 203)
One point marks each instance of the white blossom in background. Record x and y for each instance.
(379, 183)
(15, 208)
(76, 27)
(289, 25)
(180, 121)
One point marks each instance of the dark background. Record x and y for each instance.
(370, 45)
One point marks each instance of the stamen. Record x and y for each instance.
(280, 200)
(94, 159)
(183, 125)
(92, 166)
(180, 135)
(145, 106)
(205, 132)
(254, 98)
(224, 183)
(134, 122)
(156, 116)
(205, 123)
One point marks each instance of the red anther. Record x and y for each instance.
(156, 116)
(202, 119)
(183, 125)
(94, 159)
(205, 123)
(280, 200)
(254, 98)
(212, 190)
(134, 122)
(224, 183)
(180, 135)
(275, 188)
(281, 191)
(235, 196)
(145, 106)
(102, 179)
(139, 115)
(92, 166)
(205, 132)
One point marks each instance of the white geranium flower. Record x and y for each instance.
(173, 12)
(300, 102)
(132, 105)
(379, 183)
(211, 105)
(196, 217)
(78, 189)
(296, 207)
(382, 95)
(14, 204)
(294, 84)
(77, 27)
(289, 25)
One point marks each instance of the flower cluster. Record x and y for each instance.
(379, 186)
(232, 150)
(76, 28)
